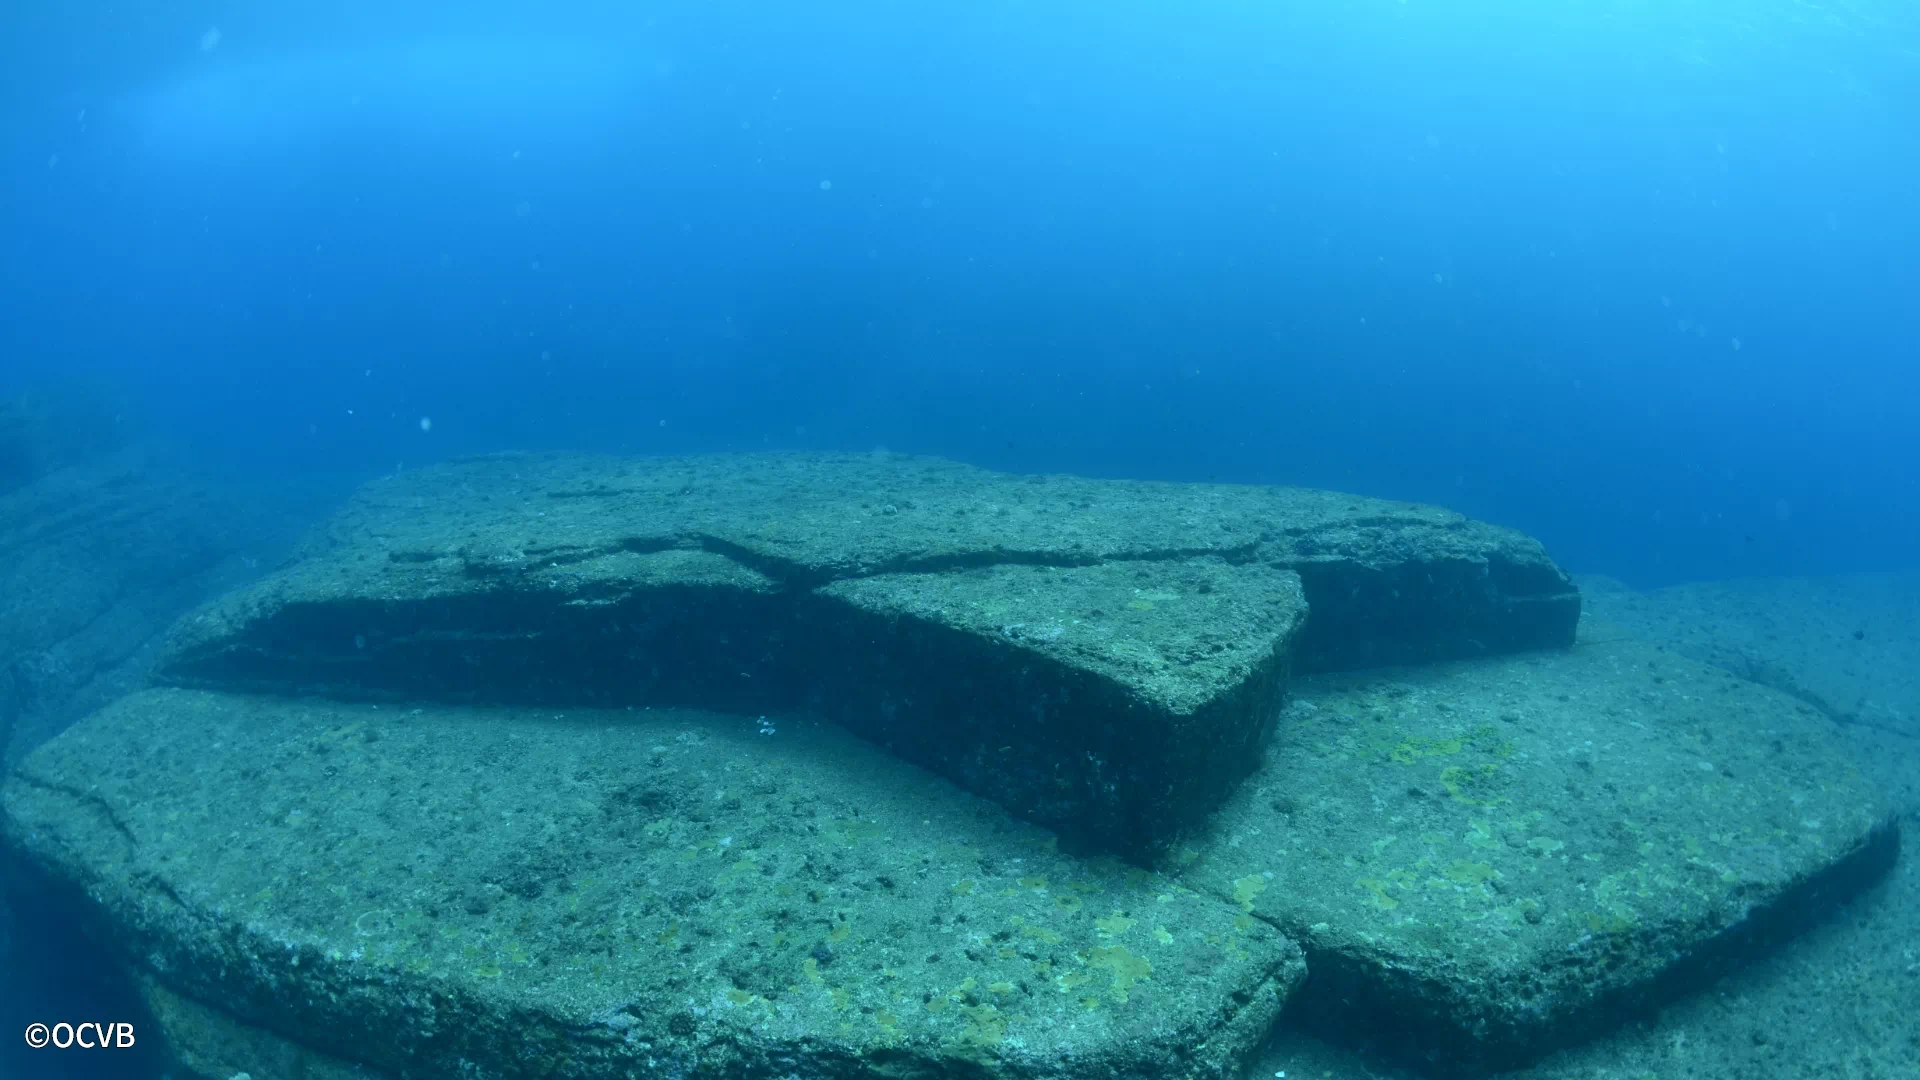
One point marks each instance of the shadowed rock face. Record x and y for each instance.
(1101, 657)
(436, 890)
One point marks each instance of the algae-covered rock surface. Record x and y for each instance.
(454, 890)
(1099, 656)
(1497, 858)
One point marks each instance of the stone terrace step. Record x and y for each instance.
(1495, 858)
(450, 890)
(1102, 657)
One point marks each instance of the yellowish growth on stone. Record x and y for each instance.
(1041, 933)
(1377, 893)
(1002, 988)
(963, 887)
(1462, 872)
(1068, 903)
(1472, 786)
(739, 997)
(1112, 926)
(811, 969)
(1161, 935)
(1607, 923)
(746, 866)
(1410, 750)
(1247, 888)
(985, 1025)
(1036, 882)
(1127, 969)
(850, 831)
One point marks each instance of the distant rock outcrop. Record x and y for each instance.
(47, 429)
(97, 559)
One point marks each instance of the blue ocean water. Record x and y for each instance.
(1637, 278)
(1641, 279)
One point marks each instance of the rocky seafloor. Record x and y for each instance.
(816, 765)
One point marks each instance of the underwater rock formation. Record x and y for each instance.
(1101, 657)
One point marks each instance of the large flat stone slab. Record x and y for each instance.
(1098, 656)
(1496, 858)
(443, 891)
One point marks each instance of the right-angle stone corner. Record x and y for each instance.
(1498, 858)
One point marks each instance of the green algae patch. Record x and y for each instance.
(1100, 657)
(434, 890)
(1500, 857)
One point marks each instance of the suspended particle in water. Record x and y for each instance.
(210, 40)
(1736, 344)
(826, 185)
(426, 423)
